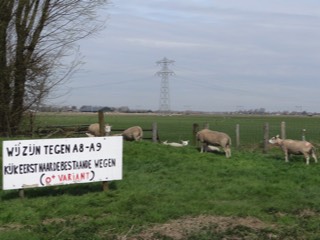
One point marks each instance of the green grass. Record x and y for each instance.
(180, 127)
(161, 183)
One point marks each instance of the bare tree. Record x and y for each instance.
(35, 36)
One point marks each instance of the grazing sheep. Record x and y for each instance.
(295, 147)
(94, 130)
(175, 144)
(208, 137)
(132, 134)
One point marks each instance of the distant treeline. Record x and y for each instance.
(87, 108)
(125, 109)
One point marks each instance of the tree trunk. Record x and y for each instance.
(34, 36)
(5, 91)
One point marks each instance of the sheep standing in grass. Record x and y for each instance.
(175, 144)
(94, 130)
(134, 133)
(295, 147)
(208, 137)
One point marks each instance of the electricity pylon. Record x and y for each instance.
(164, 73)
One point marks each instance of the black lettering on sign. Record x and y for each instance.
(57, 149)
(11, 169)
(104, 163)
(28, 168)
(94, 147)
(28, 150)
(86, 164)
(78, 148)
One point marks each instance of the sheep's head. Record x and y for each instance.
(107, 129)
(185, 143)
(275, 140)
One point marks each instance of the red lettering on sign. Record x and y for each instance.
(73, 177)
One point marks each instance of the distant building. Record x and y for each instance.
(88, 108)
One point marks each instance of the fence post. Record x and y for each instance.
(304, 134)
(206, 126)
(101, 124)
(195, 129)
(21, 193)
(237, 135)
(283, 130)
(155, 135)
(265, 137)
(105, 184)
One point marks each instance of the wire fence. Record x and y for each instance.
(250, 131)
(245, 131)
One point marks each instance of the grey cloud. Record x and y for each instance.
(238, 51)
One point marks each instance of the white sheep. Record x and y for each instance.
(213, 138)
(94, 130)
(175, 144)
(210, 148)
(295, 147)
(134, 133)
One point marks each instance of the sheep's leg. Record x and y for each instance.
(286, 156)
(89, 135)
(203, 149)
(307, 159)
(314, 156)
(228, 154)
(285, 151)
(227, 150)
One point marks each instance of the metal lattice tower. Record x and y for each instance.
(164, 73)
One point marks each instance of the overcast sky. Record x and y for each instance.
(229, 55)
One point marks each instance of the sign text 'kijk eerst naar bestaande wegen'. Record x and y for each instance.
(47, 162)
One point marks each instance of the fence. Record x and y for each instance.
(245, 131)
(241, 136)
(80, 130)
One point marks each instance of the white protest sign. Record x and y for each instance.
(47, 162)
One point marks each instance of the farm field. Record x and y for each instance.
(179, 193)
(180, 127)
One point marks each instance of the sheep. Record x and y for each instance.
(210, 148)
(208, 137)
(295, 147)
(94, 130)
(134, 133)
(175, 144)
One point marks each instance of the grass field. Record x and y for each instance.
(179, 127)
(177, 193)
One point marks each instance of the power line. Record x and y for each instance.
(164, 73)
